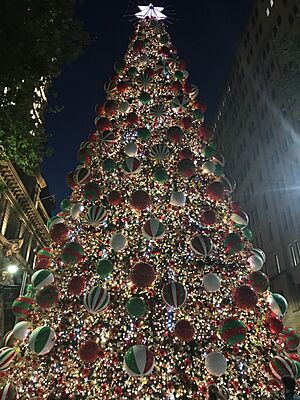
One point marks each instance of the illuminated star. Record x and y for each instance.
(151, 12)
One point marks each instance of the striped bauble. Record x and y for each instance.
(8, 392)
(153, 229)
(41, 278)
(21, 307)
(131, 165)
(179, 104)
(233, 243)
(174, 294)
(202, 245)
(42, 340)
(278, 304)
(81, 175)
(259, 281)
(139, 361)
(240, 219)
(9, 340)
(282, 366)
(107, 138)
(96, 215)
(159, 152)
(256, 259)
(232, 331)
(21, 330)
(96, 299)
(7, 355)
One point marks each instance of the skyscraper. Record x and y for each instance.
(257, 127)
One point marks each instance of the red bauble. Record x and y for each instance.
(176, 87)
(216, 191)
(47, 297)
(76, 285)
(244, 297)
(184, 330)
(150, 72)
(59, 233)
(93, 137)
(186, 168)
(132, 118)
(99, 109)
(165, 51)
(175, 134)
(115, 197)
(103, 124)
(259, 281)
(140, 200)
(110, 107)
(89, 351)
(41, 263)
(204, 133)
(142, 275)
(274, 324)
(70, 180)
(138, 46)
(122, 86)
(208, 217)
(186, 122)
(186, 153)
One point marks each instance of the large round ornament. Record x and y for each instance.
(89, 351)
(118, 242)
(76, 209)
(72, 253)
(232, 331)
(186, 168)
(104, 267)
(159, 152)
(174, 294)
(201, 245)
(211, 282)
(215, 191)
(216, 363)
(233, 243)
(8, 339)
(136, 307)
(21, 330)
(291, 339)
(259, 281)
(109, 165)
(59, 233)
(65, 204)
(257, 259)
(130, 149)
(139, 361)
(56, 219)
(91, 191)
(42, 340)
(278, 304)
(143, 134)
(7, 355)
(153, 229)
(179, 104)
(110, 107)
(96, 299)
(160, 175)
(282, 366)
(124, 107)
(96, 215)
(81, 175)
(140, 200)
(145, 98)
(184, 330)
(186, 153)
(178, 199)
(114, 198)
(244, 297)
(208, 217)
(107, 138)
(8, 392)
(209, 167)
(22, 306)
(240, 219)
(131, 165)
(41, 278)
(274, 324)
(142, 275)
(76, 285)
(175, 134)
(102, 124)
(47, 297)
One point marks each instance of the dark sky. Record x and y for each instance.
(205, 32)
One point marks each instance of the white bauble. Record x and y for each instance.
(124, 107)
(186, 73)
(211, 282)
(21, 330)
(118, 242)
(178, 199)
(255, 263)
(76, 209)
(130, 149)
(209, 167)
(216, 363)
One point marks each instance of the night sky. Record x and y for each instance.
(206, 34)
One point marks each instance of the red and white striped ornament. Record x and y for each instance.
(7, 355)
(131, 165)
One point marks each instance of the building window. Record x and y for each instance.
(293, 255)
(271, 3)
(297, 251)
(276, 259)
(267, 12)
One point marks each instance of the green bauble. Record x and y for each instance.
(198, 115)
(143, 133)
(65, 204)
(179, 75)
(72, 253)
(104, 268)
(209, 151)
(247, 233)
(132, 71)
(219, 170)
(109, 165)
(160, 175)
(145, 98)
(164, 39)
(91, 191)
(136, 307)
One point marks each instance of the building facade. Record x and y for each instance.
(258, 130)
(25, 206)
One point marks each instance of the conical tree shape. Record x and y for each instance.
(151, 289)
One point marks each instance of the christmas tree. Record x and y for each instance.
(151, 288)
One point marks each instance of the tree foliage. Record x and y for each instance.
(36, 39)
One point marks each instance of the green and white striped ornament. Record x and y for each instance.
(201, 245)
(160, 152)
(240, 219)
(7, 355)
(41, 278)
(96, 300)
(42, 340)
(174, 294)
(139, 361)
(281, 366)
(278, 304)
(96, 215)
(8, 392)
(131, 165)
(153, 229)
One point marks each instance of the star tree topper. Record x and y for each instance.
(151, 12)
